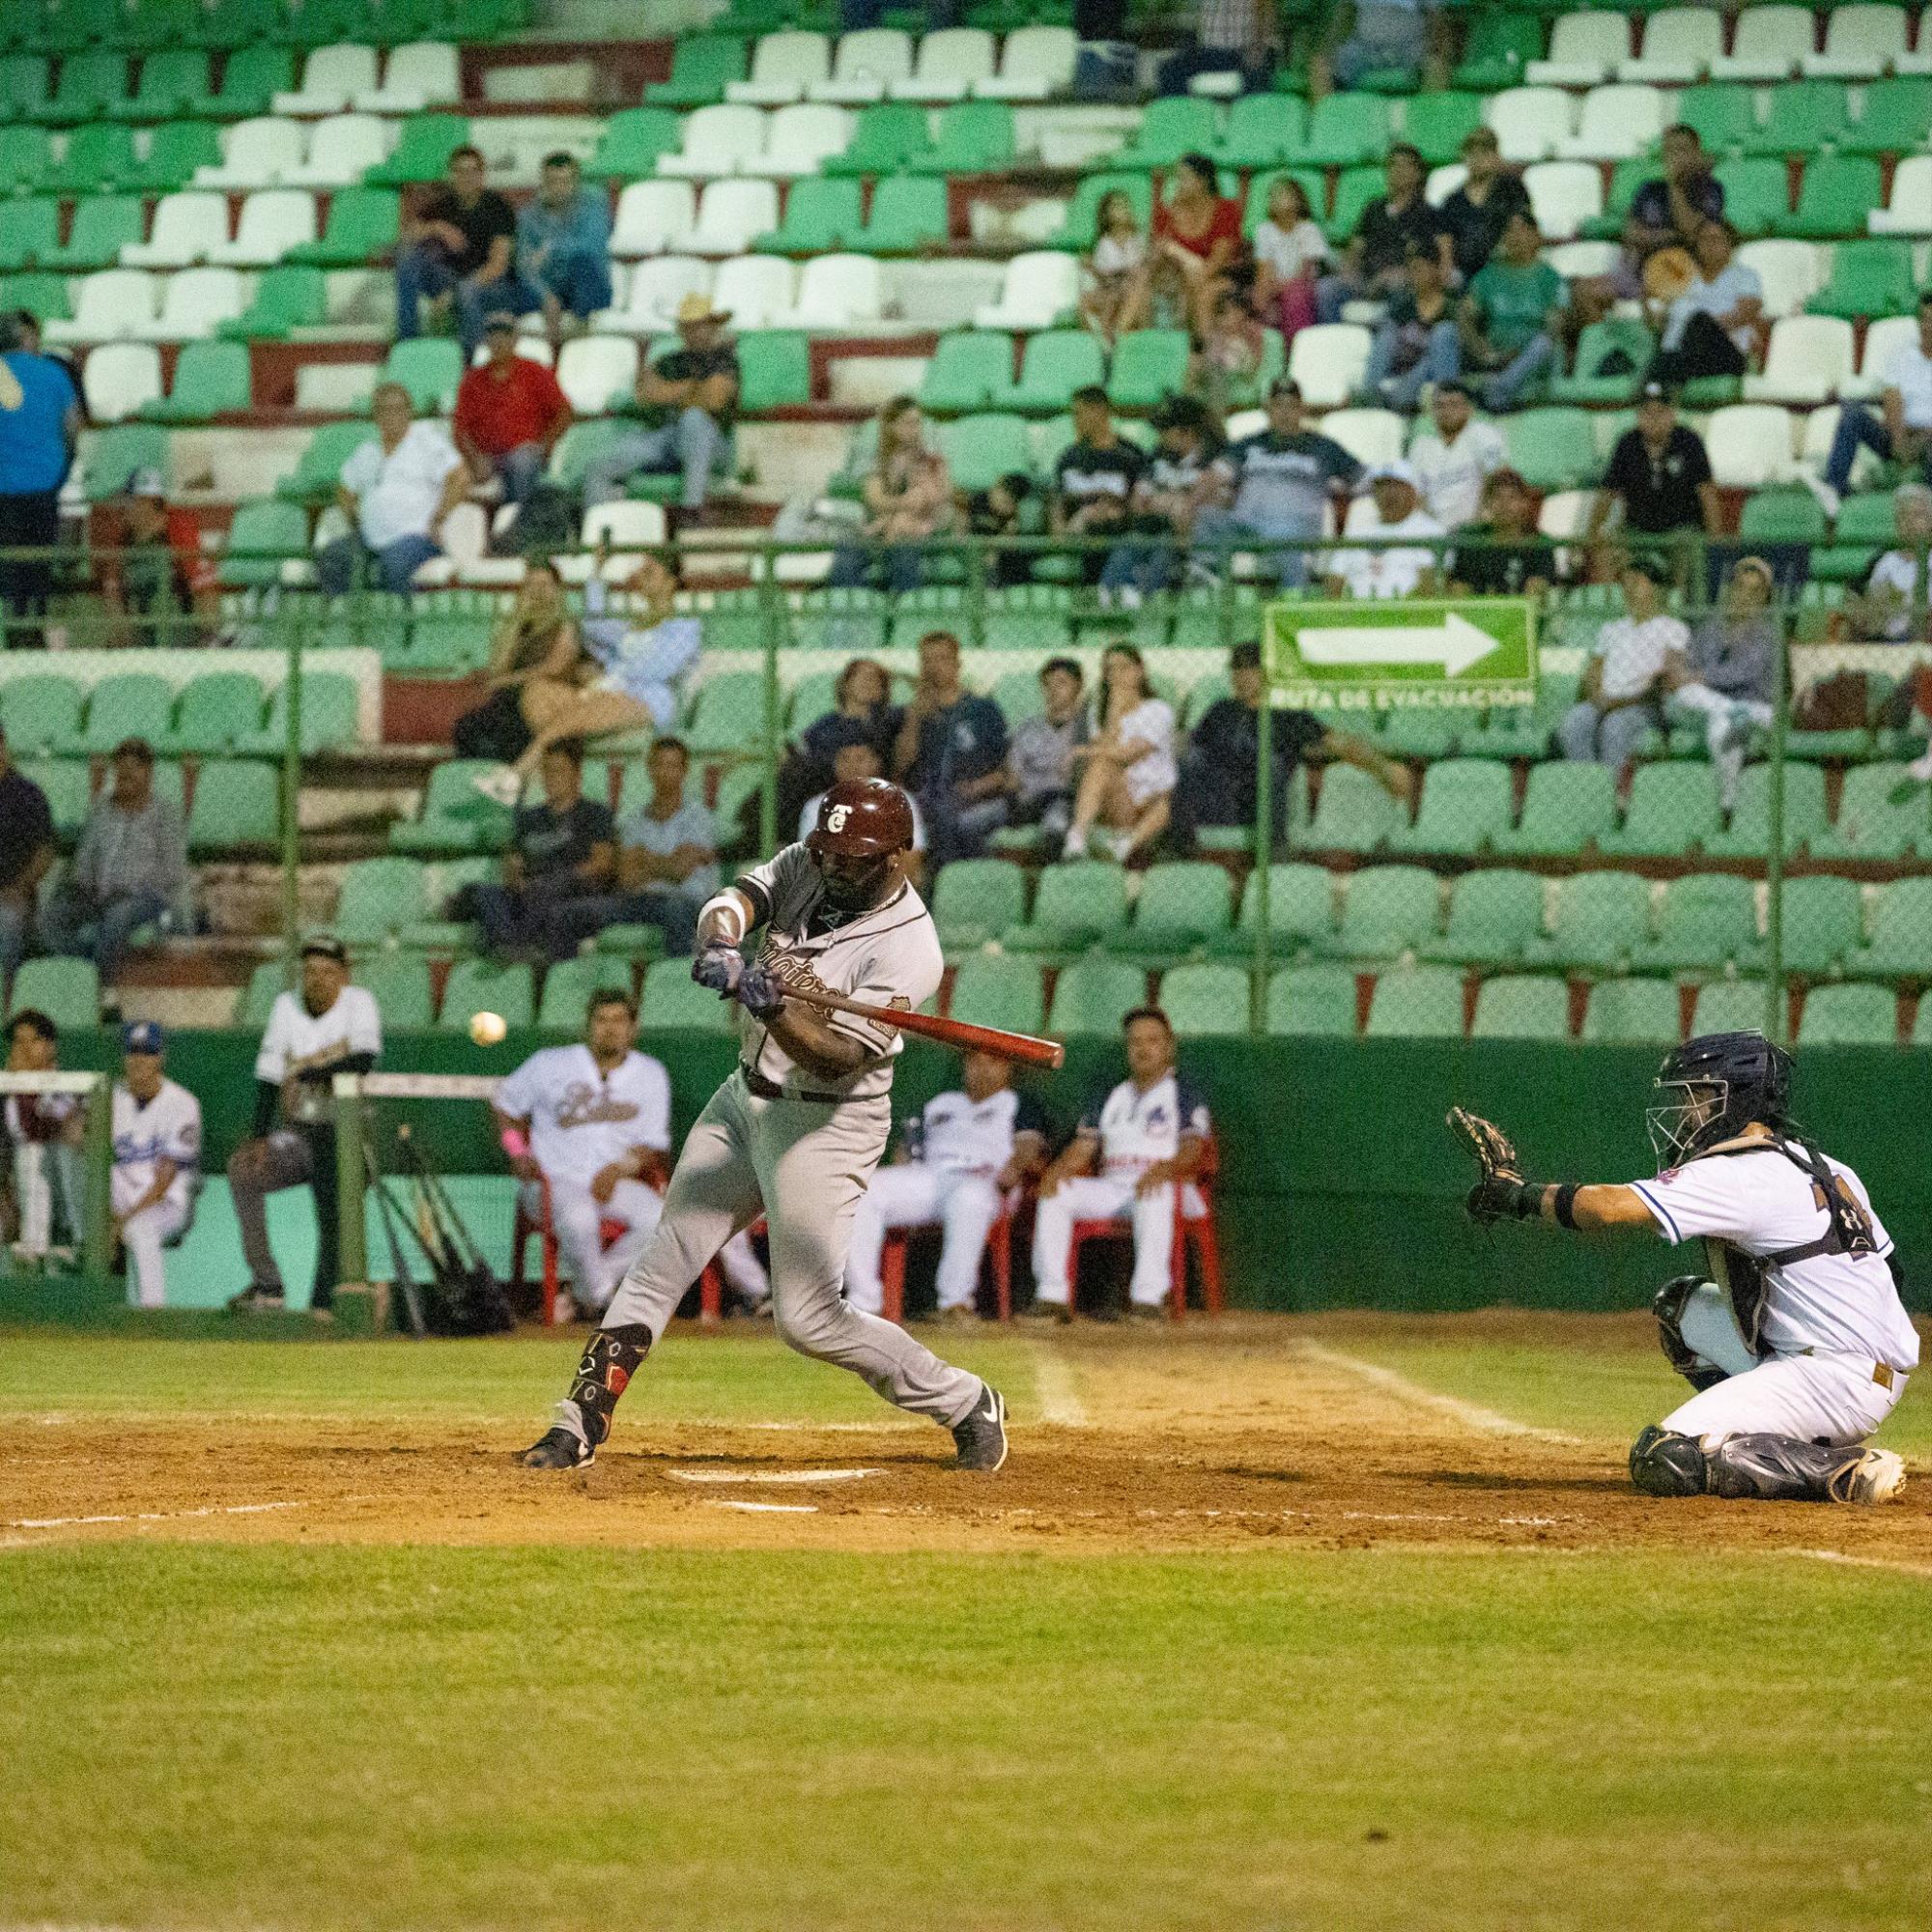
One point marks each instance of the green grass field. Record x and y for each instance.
(405, 1734)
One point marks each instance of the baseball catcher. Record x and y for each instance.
(1797, 1343)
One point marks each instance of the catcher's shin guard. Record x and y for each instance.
(1664, 1463)
(1669, 1305)
(1785, 1468)
(610, 1359)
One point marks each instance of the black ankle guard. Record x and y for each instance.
(610, 1359)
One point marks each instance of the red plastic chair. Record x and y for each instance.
(999, 1244)
(711, 1284)
(1194, 1231)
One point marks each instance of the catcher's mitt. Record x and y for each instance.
(1501, 1190)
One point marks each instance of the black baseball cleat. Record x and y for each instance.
(981, 1438)
(253, 1299)
(560, 1449)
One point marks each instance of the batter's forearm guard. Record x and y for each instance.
(610, 1359)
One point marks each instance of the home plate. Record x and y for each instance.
(772, 1475)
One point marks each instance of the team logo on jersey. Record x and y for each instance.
(899, 1004)
(835, 819)
(581, 1105)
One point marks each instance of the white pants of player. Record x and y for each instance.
(1106, 1198)
(144, 1235)
(41, 1171)
(578, 1216)
(964, 1203)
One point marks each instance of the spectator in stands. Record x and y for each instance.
(510, 414)
(857, 760)
(1504, 555)
(1219, 774)
(462, 241)
(1730, 677)
(396, 492)
(998, 511)
(862, 713)
(156, 1172)
(1416, 342)
(690, 401)
(1043, 758)
(1634, 661)
(563, 247)
(1116, 299)
(1375, 265)
(1231, 37)
(668, 852)
(1480, 209)
(26, 853)
(1712, 329)
(1224, 371)
(908, 502)
(1889, 607)
(159, 587)
(1392, 551)
(635, 689)
(1902, 430)
(951, 753)
(1282, 481)
(1127, 770)
(129, 871)
(1660, 474)
(40, 424)
(1666, 212)
(327, 1027)
(45, 1131)
(1453, 457)
(1180, 482)
(1289, 251)
(1378, 35)
(1512, 316)
(535, 638)
(1198, 230)
(562, 850)
(1094, 478)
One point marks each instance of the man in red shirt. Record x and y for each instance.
(509, 414)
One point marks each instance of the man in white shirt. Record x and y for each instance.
(963, 1154)
(1635, 659)
(1799, 1344)
(156, 1160)
(328, 1027)
(1387, 566)
(1454, 460)
(1710, 329)
(1147, 1137)
(395, 492)
(1903, 432)
(1888, 607)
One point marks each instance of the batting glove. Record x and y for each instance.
(761, 991)
(720, 968)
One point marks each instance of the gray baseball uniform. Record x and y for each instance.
(800, 1147)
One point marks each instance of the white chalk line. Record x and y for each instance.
(1059, 1401)
(177, 1516)
(1470, 1414)
(772, 1475)
(1845, 1556)
(767, 1508)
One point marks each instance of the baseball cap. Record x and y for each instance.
(147, 482)
(1647, 564)
(327, 946)
(142, 1037)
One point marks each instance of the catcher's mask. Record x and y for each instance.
(863, 825)
(1712, 1088)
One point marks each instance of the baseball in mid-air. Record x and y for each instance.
(487, 1029)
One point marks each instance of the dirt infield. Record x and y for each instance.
(1210, 1437)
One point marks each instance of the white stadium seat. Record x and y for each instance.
(1810, 360)
(1909, 212)
(1861, 43)
(1820, 426)
(418, 75)
(834, 291)
(1040, 287)
(1328, 360)
(1564, 195)
(1584, 50)
(1679, 43)
(784, 66)
(1749, 446)
(953, 63)
(799, 140)
(753, 289)
(1617, 124)
(111, 305)
(1370, 435)
(628, 524)
(341, 150)
(196, 301)
(258, 153)
(653, 217)
(1883, 339)
(1573, 260)
(731, 214)
(272, 221)
(1035, 64)
(187, 228)
(1564, 517)
(1769, 43)
(716, 141)
(1443, 181)
(865, 66)
(118, 378)
(656, 290)
(531, 347)
(598, 373)
(1529, 122)
(1791, 273)
(332, 78)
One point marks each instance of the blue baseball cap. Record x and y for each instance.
(142, 1037)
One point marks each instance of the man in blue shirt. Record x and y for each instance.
(40, 420)
(563, 245)
(950, 755)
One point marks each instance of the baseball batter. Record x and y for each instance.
(796, 1131)
(1798, 1344)
(967, 1148)
(156, 1160)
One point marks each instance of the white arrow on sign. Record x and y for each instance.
(1455, 645)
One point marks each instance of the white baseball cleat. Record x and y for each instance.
(1878, 1476)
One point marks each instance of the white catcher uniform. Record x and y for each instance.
(1834, 1338)
(962, 1147)
(168, 1128)
(800, 1149)
(1134, 1129)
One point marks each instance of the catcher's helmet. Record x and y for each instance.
(862, 818)
(1713, 1087)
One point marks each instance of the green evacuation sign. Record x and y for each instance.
(1338, 656)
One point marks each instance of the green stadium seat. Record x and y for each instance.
(1822, 923)
(975, 899)
(1901, 934)
(1354, 190)
(487, 986)
(429, 367)
(399, 985)
(773, 369)
(1149, 366)
(1416, 731)
(1804, 117)
(67, 990)
(99, 158)
(174, 151)
(1301, 910)
(250, 79)
(632, 142)
(1438, 123)
(1495, 918)
(1264, 130)
(69, 785)
(380, 897)
(237, 802)
(1500, 44)
(1865, 525)
(1872, 823)
(1838, 191)
(1345, 129)
(1312, 1000)
(265, 983)
(981, 449)
(23, 85)
(1204, 1000)
(1354, 814)
(1708, 920)
(27, 159)
(1522, 1006)
(42, 712)
(568, 985)
(1173, 125)
(287, 297)
(32, 234)
(1728, 1006)
(219, 711)
(319, 468)
(1749, 835)
(1781, 517)
(1673, 807)
(212, 379)
(1868, 278)
(1851, 1015)
(971, 369)
(1633, 1013)
(90, 85)
(1625, 180)
(1465, 803)
(137, 704)
(361, 227)
(990, 989)
(1602, 919)
(701, 67)
(820, 216)
(1057, 361)
(1184, 905)
(456, 818)
(908, 216)
(422, 151)
(1077, 903)
(1723, 114)
(1093, 995)
(1567, 807)
(103, 224)
(1417, 1003)
(1389, 910)
(975, 137)
(172, 79)
(260, 537)
(1553, 448)
(1897, 117)
(1757, 199)
(729, 713)
(1077, 231)
(887, 136)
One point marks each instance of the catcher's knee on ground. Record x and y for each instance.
(1664, 1463)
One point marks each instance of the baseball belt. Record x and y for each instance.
(762, 1088)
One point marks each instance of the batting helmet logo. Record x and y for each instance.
(835, 819)
(863, 818)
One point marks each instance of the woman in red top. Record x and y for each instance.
(1200, 232)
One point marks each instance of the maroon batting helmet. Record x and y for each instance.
(862, 818)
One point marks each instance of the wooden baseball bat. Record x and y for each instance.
(960, 1035)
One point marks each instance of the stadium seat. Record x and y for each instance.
(598, 373)
(1769, 43)
(974, 137)
(120, 379)
(429, 368)
(701, 67)
(1749, 446)
(103, 224)
(1584, 50)
(1522, 1006)
(819, 215)
(885, 139)
(1328, 360)
(981, 449)
(632, 141)
(1801, 117)
(1036, 63)
(487, 986)
(237, 804)
(1673, 807)
(1173, 125)
(1622, 340)
(1041, 290)
(1809, 361)
(1837, 194)
(1616, 123)
(212, 379)
(969, 370)
(1500, 44)
(1851, 1015)
(417, 75)
(345, 149)
(1077, 903)
(112, 302)
(328, 720)
(1416, 1003)
(1093, 995)
(1203, 1000)
(135, 704)
(27, 158)
(1909, 210)
(1553, 448)
(1901, 934)
(775, 370)
(66, 783)
(1055, 363)
(1300, 912)
(1465, 802)
(332, 77)
(91, 85)
(287, 297)
(1182, 905)
(991, 990)
(251, 77)
(1345, 129)
(729, 712)
(1749, 834)
(24, 84)
(1602, 919)
(1789, 271)
(784, 66)
(657, 287)
(67, 990)
(1389, 910)
(1868, 278)
(274, 222)
(1149, 366)
(455, 817)
(218, 711)
(261, 153)
(866, 66)
(378, 898)
(1822, 923)
(1495, 917)
(1312, 1000)
(798, 141)
(1353, 812)
(399, 984)
(1370, 436)
(834, 291)
(953, 63)
(32, 234)
(42, 712)
(1728, 1006)
(977, 899)
(909, 216)
(1633, 1013)
(1566, 807)
(1860, 42)
(1263, 130)
(1872, 823)
(362, 226)
(653, 217)
(1707, 920)
(1077, 228)
(1529, 123)
(731, 214)
(716, 141)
